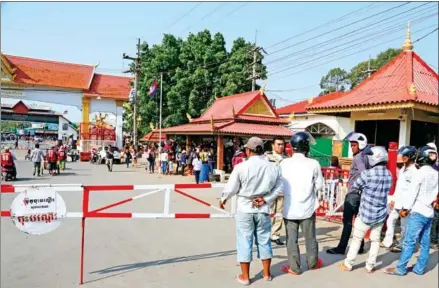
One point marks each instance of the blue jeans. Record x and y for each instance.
(418, 227)
(164, 167)
(251, 226)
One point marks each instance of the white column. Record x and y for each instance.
(60, 132)
(119, 122)
(404, 132)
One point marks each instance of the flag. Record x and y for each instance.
(153, 88)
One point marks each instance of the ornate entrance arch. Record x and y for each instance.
(320, 129)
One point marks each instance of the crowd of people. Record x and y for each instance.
(289, 186)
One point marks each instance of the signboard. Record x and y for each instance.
(51, 126)
(38, 211)
(11, 93)
(38, 125)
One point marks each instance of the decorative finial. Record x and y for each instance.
(233, 111)
(408, 46)
(310, 100)
(263, 89)
(412, 89)
(188, 117)
(97, 65)
(291, 117)
(151, 125)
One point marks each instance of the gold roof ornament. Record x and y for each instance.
(212, 123)
(412, 89)
(262, 90)
(407, 46)
(310, 100)
(233, 111)
(188, 117)
(291, 117)
(151, 125)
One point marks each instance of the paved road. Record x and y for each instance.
(160, 253)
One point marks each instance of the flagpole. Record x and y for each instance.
(160, 120)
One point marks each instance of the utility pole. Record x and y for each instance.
(137, 71)
(256, 51)
(369, 70)
(160, 119)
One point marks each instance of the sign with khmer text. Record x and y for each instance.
(38, 211)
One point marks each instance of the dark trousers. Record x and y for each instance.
(151, 165)
(435, 228)
(183, 166)
(37, 168)
(350, 210)
(308, 227)
(197, 176)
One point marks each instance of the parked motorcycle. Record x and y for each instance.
(8, 174)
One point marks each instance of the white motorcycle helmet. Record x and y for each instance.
(360, 138)
(432, 145)
(377, 155)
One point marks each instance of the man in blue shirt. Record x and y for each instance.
(374, 185)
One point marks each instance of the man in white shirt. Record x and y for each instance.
(303, 179)
(420, 205)
(257, 183)
(276, 156)
(408, 157)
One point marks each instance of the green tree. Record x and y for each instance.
(336, 80)
(197, 70)
(358, 74)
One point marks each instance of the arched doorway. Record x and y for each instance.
(322, 151)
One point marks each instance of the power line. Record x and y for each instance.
(206, 15)
(362, 50)
(419, 39)
(385, 32)
(346, 35)
(231, 12)
(339, 28)
(323, 25)
(183, 16)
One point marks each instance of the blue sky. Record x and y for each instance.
(99, 32)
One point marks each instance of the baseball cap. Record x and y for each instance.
(254, 142)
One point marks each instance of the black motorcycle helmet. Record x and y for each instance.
(301, 141)
(408, 151)
(426, 156)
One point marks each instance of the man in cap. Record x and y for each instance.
(351, 204)
(276, 156)
(408, 157)
(419, 207)
(257, 183)
(303, 180)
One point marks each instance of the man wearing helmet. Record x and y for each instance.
(419, 207)
(374, 184)
(303, 179)
(351, 204)
(408, 157)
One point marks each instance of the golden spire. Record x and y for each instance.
(310, 100)
(151, 125)
(407, 46)
(262, 90)
(188, 117)
(291, 117)
(233, 111)
(412, 89)
(211, 123)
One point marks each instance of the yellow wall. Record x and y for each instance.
(383, 115)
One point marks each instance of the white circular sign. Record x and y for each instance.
(38, 211)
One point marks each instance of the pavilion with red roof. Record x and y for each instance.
(232, 119)
(66, 84)
(398, 103)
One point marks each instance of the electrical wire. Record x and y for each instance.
(206, 15)
(419, 39)
(183, 16)
(362, 50)
(323, 25)
(385, 32)
(342, 27)
(231, 12)
(351, 33)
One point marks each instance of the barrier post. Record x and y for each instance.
(85, 200)
(391, 164)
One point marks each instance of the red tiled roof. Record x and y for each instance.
(109, 86)
(50, 73)
(223, 107)
(261, 118)
(153, 136)
(391, 84)
(256, 129)
(301, 107)
(231, 127)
